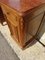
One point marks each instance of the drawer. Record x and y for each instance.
(13, 19)
(14, 31)
(10, 14)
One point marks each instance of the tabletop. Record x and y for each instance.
(23, 5)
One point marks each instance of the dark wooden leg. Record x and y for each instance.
(2, 19)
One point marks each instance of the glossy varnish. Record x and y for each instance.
(23, 5)
(23, 18)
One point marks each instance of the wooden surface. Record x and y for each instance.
(23, 5)
(23, 28)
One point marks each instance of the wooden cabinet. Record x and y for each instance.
(23, 27)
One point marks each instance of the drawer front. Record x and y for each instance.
(12, 19)
(14, 31)
(14, 23)
(10, 14)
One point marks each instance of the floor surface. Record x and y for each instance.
(6, 52)
(35, 51)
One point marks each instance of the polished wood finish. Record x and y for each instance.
(22, 6)
(23, 18)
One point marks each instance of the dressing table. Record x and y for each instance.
(23, 18)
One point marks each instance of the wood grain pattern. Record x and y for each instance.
(23, 5)
(24, 27)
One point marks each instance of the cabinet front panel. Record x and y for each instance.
(10, 14)
(34, 24)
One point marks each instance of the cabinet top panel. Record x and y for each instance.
(23, 5)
